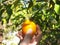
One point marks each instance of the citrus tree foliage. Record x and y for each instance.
(45, 13)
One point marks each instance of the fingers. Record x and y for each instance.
(38, 33)
(39, 30)
(38, 27)
(33, 38)
(20, 35)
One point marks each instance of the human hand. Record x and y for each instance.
(29, 40)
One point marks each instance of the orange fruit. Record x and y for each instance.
(28, 27)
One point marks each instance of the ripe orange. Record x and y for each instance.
(29, 27)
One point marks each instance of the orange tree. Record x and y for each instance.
(46, 13)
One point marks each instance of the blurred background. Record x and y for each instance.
(45, 13)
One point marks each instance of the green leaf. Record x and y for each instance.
(57, 9)
(43, 17)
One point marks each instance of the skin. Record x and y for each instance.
(30, 40)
